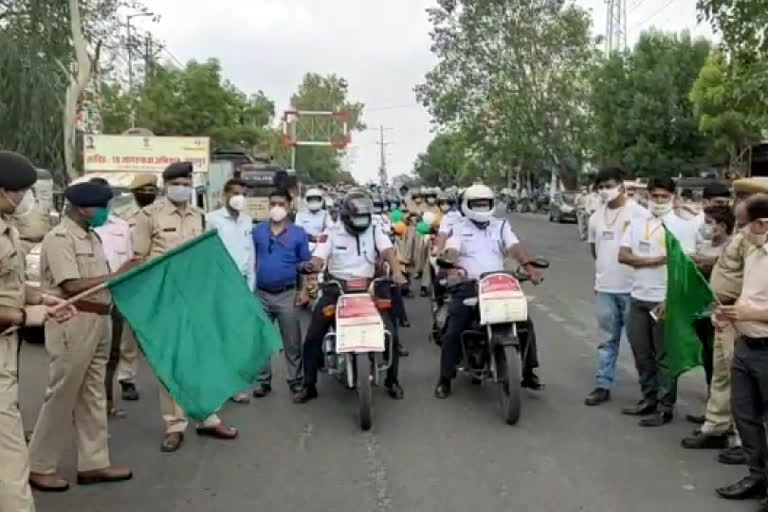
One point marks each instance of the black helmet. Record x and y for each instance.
(378, 203)
(356, 211)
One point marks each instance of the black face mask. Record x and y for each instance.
(144, 198)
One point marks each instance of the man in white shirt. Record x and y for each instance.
(749, 371)
(349, 251)
(314, 219)
(643, 247)
(234, 229)
(479, 244)
(613, 280)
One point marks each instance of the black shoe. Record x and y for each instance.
(402, 351)
(405, 323)
(477, 381)
(394, 390)
(309, 392)
(531, 381)
(733, 456)
(424, 292)
(643, 408)
(443, 389)
(657, 420)
(701, 441)
(129, 391)
(261, 390)
(695, 418)
(763, 506)
(746, 488)
(597, 396)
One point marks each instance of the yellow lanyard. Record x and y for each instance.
(609, 225)
(649, 233)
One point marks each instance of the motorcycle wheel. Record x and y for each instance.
(364, 393)
(508, 372)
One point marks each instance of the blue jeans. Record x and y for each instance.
(611, 310)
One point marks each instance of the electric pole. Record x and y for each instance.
(383, 179)
(616, 26)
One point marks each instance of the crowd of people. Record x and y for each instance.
(725, 234)
(356, 233)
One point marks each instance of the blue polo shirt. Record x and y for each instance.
(278, 257)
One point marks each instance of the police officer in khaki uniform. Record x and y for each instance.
(144, 190)
(17, 175)
(72, 260)
(161, 227)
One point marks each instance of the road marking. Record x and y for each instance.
(556, 318)
(304, 436)
(377, 474)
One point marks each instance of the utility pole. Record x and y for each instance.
(148, 58)
(616, 26)
(383, 178)
(129, 46)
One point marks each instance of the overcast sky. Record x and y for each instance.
(380, 47)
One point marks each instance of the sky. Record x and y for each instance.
(380, 47)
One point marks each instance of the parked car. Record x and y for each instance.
(563, 207)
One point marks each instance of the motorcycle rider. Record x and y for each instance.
(451, 216)
(479, 244)
(350, 251)
(314, 220)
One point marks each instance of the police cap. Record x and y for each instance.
(88, 195)
(178, 170)
(143, 180)
(716, 189)
(751, 186)
(16, 172)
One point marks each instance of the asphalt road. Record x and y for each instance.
(423, 454)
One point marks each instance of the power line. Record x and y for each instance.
(393, 107)
(635, 6)
(171, 55)
(655, 13)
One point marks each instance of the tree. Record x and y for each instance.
(445, 162)
(512, 78)
(324, 93)
(742, 23)
(642, 114)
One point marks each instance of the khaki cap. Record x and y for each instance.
(143, 180)
(751, 185)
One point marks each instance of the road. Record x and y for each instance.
(423, 454)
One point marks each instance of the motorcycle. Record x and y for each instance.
(524, 205)
(490, 347)
(354, 348)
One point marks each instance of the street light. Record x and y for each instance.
(130, 60)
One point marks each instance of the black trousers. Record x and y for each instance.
(749, 401)
(318, 328)
(706, 333)
(398, 305)
(459, 319)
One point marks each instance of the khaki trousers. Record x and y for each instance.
(78, 351)
(15, 494)
(175, 418)
(128, 366)
(718, 419)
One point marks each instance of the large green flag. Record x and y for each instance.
(204, 333)
(688, 297)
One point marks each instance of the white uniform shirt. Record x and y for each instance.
(382, 221)
(754, 292)
(482, 250)
(645, 237)
(348, 256)
(606, 229)
(448, 222)
(115, 238)
(592, 202)
(236, 236)
(313, 223)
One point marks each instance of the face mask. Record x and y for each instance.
(278, 213)
(314, 205)
(378, 209)
(430, 200)
(179, 193)
(706, 232)
(609, 194)
(757, 240)
(24, 206)
(99, 217)
(144, 198)
(660, 209)
(445, 207)
(361, 222)
(237, 202)
(417, 200)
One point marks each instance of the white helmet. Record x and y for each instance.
(314, 199)
(478, 203)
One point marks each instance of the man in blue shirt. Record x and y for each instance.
(282, 248)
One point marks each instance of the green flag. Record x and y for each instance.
(688, 297)
(204, 333)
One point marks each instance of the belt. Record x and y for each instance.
(96, 308)
(755, 343)
(275, 291)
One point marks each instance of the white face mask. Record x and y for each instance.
(660, 209)
(609, 194)
(237, 202)
(179, 193)
(314, 205)
(445, 207)
(25, 206)
(278, 213)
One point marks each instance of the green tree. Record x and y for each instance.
(512, 77)
(445, 163)
(642, 114)
(743, 24)
(324, 93)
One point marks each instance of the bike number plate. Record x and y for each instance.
(359, 327)
(501, 300)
